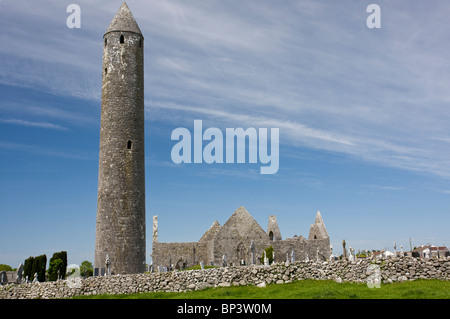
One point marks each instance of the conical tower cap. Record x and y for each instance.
(124, 21)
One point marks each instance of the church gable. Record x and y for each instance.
(240, 240)
(211, 232)
(241, 225)
(318, 230)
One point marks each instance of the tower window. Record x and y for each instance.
(106, 71)
(106, 41)
(129, 145)
(122, 39)
(140, 43)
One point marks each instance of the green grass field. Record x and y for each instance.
(307, 289)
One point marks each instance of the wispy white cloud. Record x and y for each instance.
(34, 149)
(313, 69)
(33, 124)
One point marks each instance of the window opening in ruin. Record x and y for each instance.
(122, 39)
(129, 145)
(271, 235)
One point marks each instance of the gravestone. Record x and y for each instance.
(19, 274)
(252, 249)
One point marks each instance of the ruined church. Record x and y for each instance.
(241, 241)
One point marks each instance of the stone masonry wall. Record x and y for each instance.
(392, 270)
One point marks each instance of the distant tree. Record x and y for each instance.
(55, 265)
(86, 269)
(28, 268)
(4, 267)
(40, 263)
(35, 265)
(269, 255)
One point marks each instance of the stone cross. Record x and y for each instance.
(252, 249)
(344, 250)
(107, 262)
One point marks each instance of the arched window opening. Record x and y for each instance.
(106, 41)
(271, 235)
(129, 145)
(106, 71)
(122, 39)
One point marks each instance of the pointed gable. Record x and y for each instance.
(211, 232)
(240, 226)
(318, 229)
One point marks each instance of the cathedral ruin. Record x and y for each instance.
(241, 241)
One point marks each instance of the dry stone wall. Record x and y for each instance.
(391, 270)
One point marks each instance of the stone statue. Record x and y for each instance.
(107, 263)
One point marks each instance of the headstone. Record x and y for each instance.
(224, 260)
(102, 271)
(202, 266)
(292, 256)
(95, 272)
(252, 249)
(35, 278)
(350, 254)
(19, 273)
(287, 257)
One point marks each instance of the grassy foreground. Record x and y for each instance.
(306, 289)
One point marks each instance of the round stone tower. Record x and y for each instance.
(120, 229)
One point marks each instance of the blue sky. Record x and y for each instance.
(363, 115)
